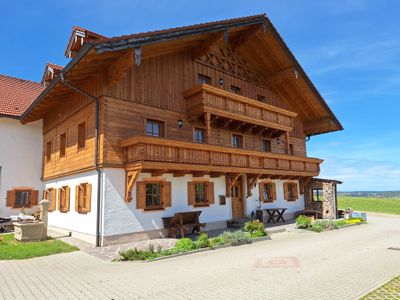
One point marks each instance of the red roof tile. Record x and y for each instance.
(16, 95)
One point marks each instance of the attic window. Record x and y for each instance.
(235, 89)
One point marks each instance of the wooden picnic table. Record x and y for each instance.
(275, 212)
(181, 220)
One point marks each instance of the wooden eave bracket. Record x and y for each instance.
(251, 183)
(205, 46)
(244, 37)
(230, 182)
(131, 177)
(117, 69)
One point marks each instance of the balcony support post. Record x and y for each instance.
(207, 121)
(287, 142)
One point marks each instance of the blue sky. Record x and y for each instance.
(349, 48)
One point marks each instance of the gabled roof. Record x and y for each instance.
(50, 72)
(78, 37)
(16, 95)
(278, 60)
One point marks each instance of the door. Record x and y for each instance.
(237, 200)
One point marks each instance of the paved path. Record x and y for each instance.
(341, 264)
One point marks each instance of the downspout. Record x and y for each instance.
(96, 154)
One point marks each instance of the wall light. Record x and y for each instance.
(221, 81)
(180, 123)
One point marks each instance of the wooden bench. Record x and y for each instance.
(180, 221)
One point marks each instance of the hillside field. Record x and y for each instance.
(382, 205)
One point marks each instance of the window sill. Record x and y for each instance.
(202, 205)
(154, 209)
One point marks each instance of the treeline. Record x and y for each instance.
(372, 194)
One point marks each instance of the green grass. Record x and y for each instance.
(11, 249)
(390, 290)
(382, 205)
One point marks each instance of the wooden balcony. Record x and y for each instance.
(244, 113)
(149, 153)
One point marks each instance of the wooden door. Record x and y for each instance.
(237, 200)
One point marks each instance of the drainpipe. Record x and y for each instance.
(96, 153)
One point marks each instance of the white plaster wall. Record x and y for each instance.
(20, 159)
(121, 217)
(280, 202)
(72, 220)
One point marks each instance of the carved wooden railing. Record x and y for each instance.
(150, 149)
(205, 98)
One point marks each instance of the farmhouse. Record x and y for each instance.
(20, 147)
(211, 117)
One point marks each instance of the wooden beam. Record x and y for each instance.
(215, 174)
(199, 174)
(117, 70)
(243, 37)
(230, 182)
(130, 179)
(279, 76)
(158, 173)
(251, 183)
(207, 121)
(179, 174)
(206, 45)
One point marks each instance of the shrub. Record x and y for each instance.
(341, 223)
(303, 222)
(321, 225)
(202, 241)
(255, 228)
(138, 254)
(184, 245)
(316, 228)
(216, 241)
(236, 238)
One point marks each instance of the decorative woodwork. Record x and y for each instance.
(251, 183)
(131, 177)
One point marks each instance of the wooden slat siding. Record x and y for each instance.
(74, 159)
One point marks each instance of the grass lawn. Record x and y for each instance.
(11, 249)
(390, 290)
(382, 205)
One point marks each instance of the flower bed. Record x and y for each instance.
(304, 222)
(252, 231)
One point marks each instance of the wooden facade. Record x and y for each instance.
(245, 85)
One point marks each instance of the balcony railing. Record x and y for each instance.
(205, 98)
(194, 157)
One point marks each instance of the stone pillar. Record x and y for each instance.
(44, 206)
(329, 205)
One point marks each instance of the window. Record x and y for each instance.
(199, 135)
(200, 193)
(154, 128)
(63, 144)
(291, 149)
(153, 195)
(317, 195)
(83, 197)
(235, 89)
(63, 199)
(237, 141)
(267, 191)
(82, 136)
(22, 197)
(48, 151)
(260, 98)
(203, 79)
(290, 191)
(51, 195)
(266, 145)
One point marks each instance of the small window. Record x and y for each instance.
(203, 79)
(83, 198)
(199, 135)
(200, 193)
(153, 195)
(82, 136)
(266, 145)
(291, 149)
(154, 128)
(22, 198)
(48, 151)
(317, 195)
(63, 199)
(237, 141)
(269, 192)
(260, 98)
(63, 144)
(235, 89)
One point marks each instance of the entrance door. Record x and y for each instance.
(237, 200)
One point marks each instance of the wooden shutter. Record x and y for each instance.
(34, 197)
(166, 200)
(295, 191)
(285, 191)
(88, 199)
(67, 198)
(141, 195)
(273, 186)
(261, 189)
(191, 193)
(77, 188)
(53, 199)
(60, 207)
(210, 192)
(10, 198)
